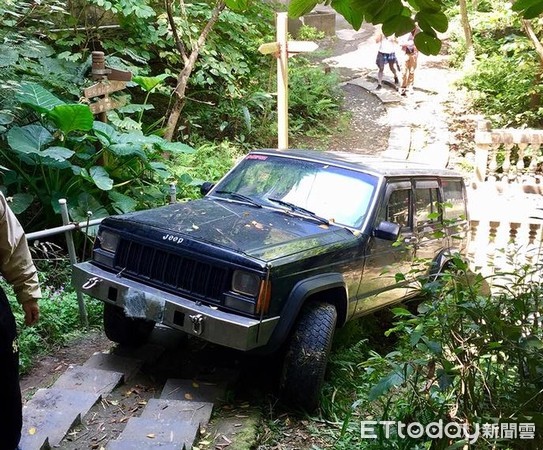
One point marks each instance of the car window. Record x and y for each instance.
(426, 206)
(454, 199)
(334, 193)
(399, 206)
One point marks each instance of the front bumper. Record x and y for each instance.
(140, 300)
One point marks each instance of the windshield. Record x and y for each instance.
(332, 193)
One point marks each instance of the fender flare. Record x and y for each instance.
(296, 299)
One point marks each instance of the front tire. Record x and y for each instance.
(307, 354)
(129, 331)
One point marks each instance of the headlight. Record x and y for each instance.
(108, 241)
(245, 283)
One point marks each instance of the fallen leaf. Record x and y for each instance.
(32, 431)
(195, 384)
(195, 227)
(188, 396)
(151, 435)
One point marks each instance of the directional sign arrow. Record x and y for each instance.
(301, 46)
(103, 88)
(271, 48)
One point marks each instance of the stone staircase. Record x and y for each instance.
(171, 421)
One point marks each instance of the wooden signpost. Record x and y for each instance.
(282, 49)
(108, 81)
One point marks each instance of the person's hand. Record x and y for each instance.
(32, 312)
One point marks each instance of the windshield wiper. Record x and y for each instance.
(299, 209)
(242, 197)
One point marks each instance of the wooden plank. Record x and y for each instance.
(107, 104)
(269, 48)
(103, 88)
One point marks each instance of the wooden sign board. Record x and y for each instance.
(103, 88)
(301, 46)
(271, 48)
(107, 104)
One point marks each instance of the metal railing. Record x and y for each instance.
(67, 228)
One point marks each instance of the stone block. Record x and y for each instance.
(187, 411)
(129, 367)
(88, 379)
(160, 431)
(176, 389)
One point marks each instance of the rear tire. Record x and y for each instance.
(129, 331)
(307, 354)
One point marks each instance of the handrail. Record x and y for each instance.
(60, 229)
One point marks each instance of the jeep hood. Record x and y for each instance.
(262, 233)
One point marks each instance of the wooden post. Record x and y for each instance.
(282, 81)
(99, 73)
(281, 49)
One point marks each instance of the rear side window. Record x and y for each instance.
(427, 210)
(399, 207)
(454, 199)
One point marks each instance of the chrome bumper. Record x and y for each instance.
(140, 300)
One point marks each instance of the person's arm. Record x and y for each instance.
(16, 263)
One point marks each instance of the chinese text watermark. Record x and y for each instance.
(451, 430)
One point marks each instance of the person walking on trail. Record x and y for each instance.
(407, 44)
(17, 267)
(386, 55)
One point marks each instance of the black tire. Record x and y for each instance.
(124, 330)
(307, 354)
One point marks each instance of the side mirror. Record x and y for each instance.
(205, 187)
(388, 231)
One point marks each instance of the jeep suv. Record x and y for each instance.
(281, 251)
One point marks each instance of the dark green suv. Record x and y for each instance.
(287, 247)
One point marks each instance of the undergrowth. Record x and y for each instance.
(59, 322)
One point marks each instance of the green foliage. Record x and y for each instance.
(399, 17)
(314, 97)
(209, 163)
(59, 321)
(66, 154)
(504, 82)
(308, 33)
(462, 357)
(394, 15)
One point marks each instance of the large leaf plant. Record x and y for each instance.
(65, 153)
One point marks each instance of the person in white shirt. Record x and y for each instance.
(386, 55)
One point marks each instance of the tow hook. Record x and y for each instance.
(197, 323)
(90, 283)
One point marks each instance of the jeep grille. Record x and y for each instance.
(171, 271)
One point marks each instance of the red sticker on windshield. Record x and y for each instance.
(259, 157)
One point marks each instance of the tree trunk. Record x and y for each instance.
(468, 35)
(183, 77)
(527, 27)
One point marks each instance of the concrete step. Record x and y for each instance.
(124, 444)
(157, 432)
(177, 389)
(187, 411)
(88, 379)
(115, 363)
(50, 414)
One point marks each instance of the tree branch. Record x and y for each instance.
(178, 42)
(533, 38)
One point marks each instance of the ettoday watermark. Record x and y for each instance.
(451, 430)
